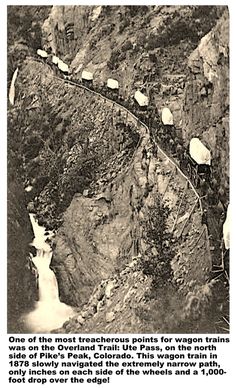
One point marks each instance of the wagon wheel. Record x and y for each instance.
(195, 178)
(189, 170)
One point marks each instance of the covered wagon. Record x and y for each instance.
(63, 67)
(199, 152)
(199, 161)
(141, 99)
(112, 84)
(87, 75)
(55, 60)
(167, 117)
(87, 78)
(42, 53)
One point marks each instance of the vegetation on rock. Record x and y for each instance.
(157, 259)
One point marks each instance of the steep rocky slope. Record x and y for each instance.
(24, 35)
(205, 111)
(105, 225)
(156, 49)
(120, 301)
(73, 142)
(142, 47)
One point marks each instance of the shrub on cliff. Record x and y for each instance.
(127, 45)
(157, 261)
(113, 62)
(202, 310)
(32, 145)
(179, 26)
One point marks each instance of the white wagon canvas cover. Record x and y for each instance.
(87, 75)
(226, 229)
(167, 117)
(141, 99)
(199, 152)
(112, 83)
(42, 53)
(55, 59)
(63, 66)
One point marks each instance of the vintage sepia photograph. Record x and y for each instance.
(118, 169)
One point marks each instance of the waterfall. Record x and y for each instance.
(12, 88)
(49, 313)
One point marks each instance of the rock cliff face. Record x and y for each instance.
(76, 141)
(104, 226)
(164, 58)
(205, 111)
(101, 233)
(98, 235)
(63, 33)
(24, 36)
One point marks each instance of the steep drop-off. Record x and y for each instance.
(105, 225)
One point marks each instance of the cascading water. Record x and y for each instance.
(49, 313)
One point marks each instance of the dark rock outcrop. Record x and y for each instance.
(21, 283)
